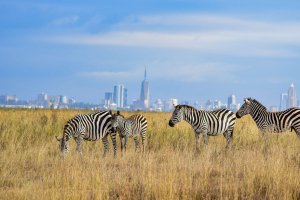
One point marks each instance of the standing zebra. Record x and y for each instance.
(130, 127)
(206, 123)
(270, 121)
(91, 127)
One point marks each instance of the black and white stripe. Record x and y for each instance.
(91, 127)
(207, 123)
(271, 121)
(133, 126)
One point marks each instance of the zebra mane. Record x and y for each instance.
(258, 103)
(186, 106)
(117, 114)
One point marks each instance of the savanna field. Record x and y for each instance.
(254, 167)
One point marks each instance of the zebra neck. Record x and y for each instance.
(188, 117)
(122, 122)
(257, 114)
(66, 137)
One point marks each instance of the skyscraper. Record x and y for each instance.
(145, 93)
(283, 101)
(231, 103)
(119, 95)
(292, 98)
(125, 97)
(108, 99)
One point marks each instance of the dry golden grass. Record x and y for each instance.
(252, 168)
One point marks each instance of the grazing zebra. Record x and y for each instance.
(207, 123)
(91, 127)
(130, 127)
(270, 121)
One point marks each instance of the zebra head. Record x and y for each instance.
(68, 132)
(63, 144)
(245, 109)
(116, 121)
(177, 115)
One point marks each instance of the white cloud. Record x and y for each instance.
(207, 33)
(167, 70)
(194, 71)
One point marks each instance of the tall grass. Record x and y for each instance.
(252, 168)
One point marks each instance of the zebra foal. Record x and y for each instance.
(206, 123)
(270, 121)
(91, 127)
(133, 126)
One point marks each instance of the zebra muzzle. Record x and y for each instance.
(171, 123)
(114, 129)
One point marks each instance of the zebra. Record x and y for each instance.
(130, 127)
(91, 127)
(271, 121)
(207, 123)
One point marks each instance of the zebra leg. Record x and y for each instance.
(114, 141)
(78, 147)
(125, 142)
(297, 130)
(136, 141)
(204, 135)
(105, 143)
(122, 142)
(228, 135)
(197, 137)
(143, 141)
(122, 145)
(263, 130)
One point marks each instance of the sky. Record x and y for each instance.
(193, 50)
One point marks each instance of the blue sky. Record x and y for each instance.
(193, 50)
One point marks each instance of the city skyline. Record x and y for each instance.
(193, 50)
(117, 100)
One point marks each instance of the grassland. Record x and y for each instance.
(252, 168)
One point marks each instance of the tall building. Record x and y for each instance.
(42, 100)
(283, 101)
(170, 104)
(108, 99)
(158, 105)
(119, 95)
(217, 104)
(209, 105)
(53, 101)
(125, 97)
(231, 102)
(292, 98)
(63, 99)
(145, 93)
(8, 99)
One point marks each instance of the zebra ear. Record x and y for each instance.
(118, 112)
(247, 100)
(57, 138)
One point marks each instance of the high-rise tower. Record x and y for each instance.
(145, 93)
(119, 95)
(231, 103)
(292, 98)
(283, 101)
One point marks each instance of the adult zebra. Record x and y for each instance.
(133, 126)
(270, 121)
(207, 123)
(91, 127)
